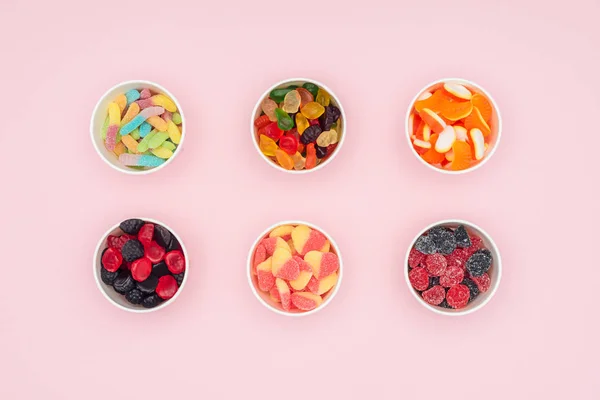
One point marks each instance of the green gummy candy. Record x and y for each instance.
(135, 134)
(143, 145)
(104, 128)
(293, 87)
(118, 138)
(284, 121)
(279, 94)
(169, 145)
(176, 118)
(312, 88)
(157, 140)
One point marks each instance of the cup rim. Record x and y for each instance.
(340, 142)
(255, 290)
(468, 83)
(493, 287)
(130, 171)
(97, 264)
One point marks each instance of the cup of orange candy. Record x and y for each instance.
(453, 126)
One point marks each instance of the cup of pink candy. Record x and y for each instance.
(137, 127)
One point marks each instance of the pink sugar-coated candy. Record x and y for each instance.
(274, 294)
(322, 286)
(272, 243)
(151, 112)
(111, 137)
(306, 239)
(265, 277)
(145, 103)
(322, 264)
(306, 301)
(145, 94)
(167, 115)
(284, 294)
(260, 255)
(304, 276)
(284, 265)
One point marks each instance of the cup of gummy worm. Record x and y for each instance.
(453, 267)
(140, 265)
(294, 268)
(298, 125)
(137, 127)
(453, 126)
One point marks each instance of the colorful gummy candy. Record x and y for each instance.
(298, 127)
(142, 129)
(449, 126)
(296, 265)
(449, 267)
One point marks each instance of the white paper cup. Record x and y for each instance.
(118, 300)
(265, 298)
(341, 128)
(101, 111)
(495, 124)
(495, 271)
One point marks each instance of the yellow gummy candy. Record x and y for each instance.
(130, 142)
(157, 122)
(114, 114)
(323, 98)
(162, 152)
(174, 133)
(267, 146)
(165, 102)
(121, 100)
(301, 123)
(132, 111)
(312, 110)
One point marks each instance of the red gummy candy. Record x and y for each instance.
(483, 282)
(175, 261)
(415, 258)
(330, 149)
(453, 275)
(260, 255)
(272, 131)
(154, 252)
(117, 242)
(435, 264)
(311, 156)
(112, 259)
(435, 295)
(112, 241)
(458, 257)
(289, 144)
(262, 121)
(458, 296)
(167, 287)
(141, 269)
(419, 278)
(313, 121)
(145, 234)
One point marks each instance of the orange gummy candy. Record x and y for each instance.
(431, 156)
(462, 156)
(455, 110)
(483, 105)
(284, 159)
(475, 120)
(434, 121)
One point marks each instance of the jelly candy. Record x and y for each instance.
(455, 111)
(157, 140)
(327, 137)
(267, 146)
(167, 116)
(145, 94)
(177, 118)
(141, 117)
(301, 123)
(284, 266)
(262, 121)
(461, 156)
(121, 101)
(445, 140)
(323, 285)
(104, 128)
(304, 276)
(130, 142)
(131, 96)
(306, 301)
(140, 160)
(162, 152)
(320, 152)
(169, 145)
(299, 161)
(478, 143)
(322, 264)
(283, 231)
(311, 156)
(272, 130)
(273, 243)
(132, 111)
(157, 122)
(284, 293)
(306, 239)
(265, 277)
(312, 110)
(458, 90)
(323, 97)
(174, 132)
(475, 120)
(458, 296)
(145, 129)
(158, 100)
(279, 94)
(268, 106)
(483, 282)
(135, 134)
(311, 134)
(431, 156)
(433, 120)
(419, 278)
(483, 105)
(479, 263)
(461, 133)
(119, 149)
(435, 264)
(114, 115)
(291, 102)
(284, 121)
(312, 88)
(453, 275)
(329, 117)
(284, 159)
(143, 145)
(305, 96)
(289, 144)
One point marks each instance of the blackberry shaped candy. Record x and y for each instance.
(134, 296)
(179, 278)
(124, 282)
(443, 239)
(149, 285)
(425, 245)
(462, 237)
(131, 226)
(479, 263)
(107, 276)
(151, 301)
(132, 250)
(162, 236)
(473, 289)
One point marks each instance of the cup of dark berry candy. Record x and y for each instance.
(298, 125)
(140, 265)
(453, 267)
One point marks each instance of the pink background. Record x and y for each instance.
(59, 337)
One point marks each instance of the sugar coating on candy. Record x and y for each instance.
(284, 266)
(145, 94)
(157, 122)
(415, 258)
(260, 255)
(271, 244)
(443, 239)
(435, 264)
(322, 264)
(473, 288)
(306, 239)
(306, 301)
(174, 132)
(452, 275)
(145, 129)
(444, 304)
(274, 294)
(483, 282)
(131, 96)
(435, 295)
(479, 263)
(141, 117)
(265, 277)
(323, 285)
(284, 294)
(425, 245)
(304, 276)
(419, 278)
(458, 296)
(140, 160)
(462, 237)
(476, 244)
(433, 281)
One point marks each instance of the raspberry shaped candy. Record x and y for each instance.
(483, 282)
(175, 261)
(154, 252)
(111, 259)
(146, 233)
(415, 258)
(479, 263)
(435, 295)
(132, 250)
(131, 226)
(141, 269)
(453, 275)
(419, 278)
(167, 287)
(435, 264)
(458, 296)
(462, 237)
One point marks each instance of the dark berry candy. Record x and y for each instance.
(175, 261)
(433, 281)
(132, 250)
(453, 275)
(146, 233)
(483, 282)
(107, 276)
(476, 244)
(310, 134)
(151, 301)
(174, 245)
(167, 287)
(111, 259)
(141, 269)
(328, 118)
(154, 252)
(134, 296)
(435, 295)
(473, 289)
(425, 245)
(479, 263)
(415, 258)
(160, 269)
(162, 236)
(149, 285)
(443, 239)
(435, 264)
(458, 296)
(462, 237)
(124, 282)
(419, 278)
(179, 278)
(321, 151)
(121, 240)
(444, 304)
(131, 226)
